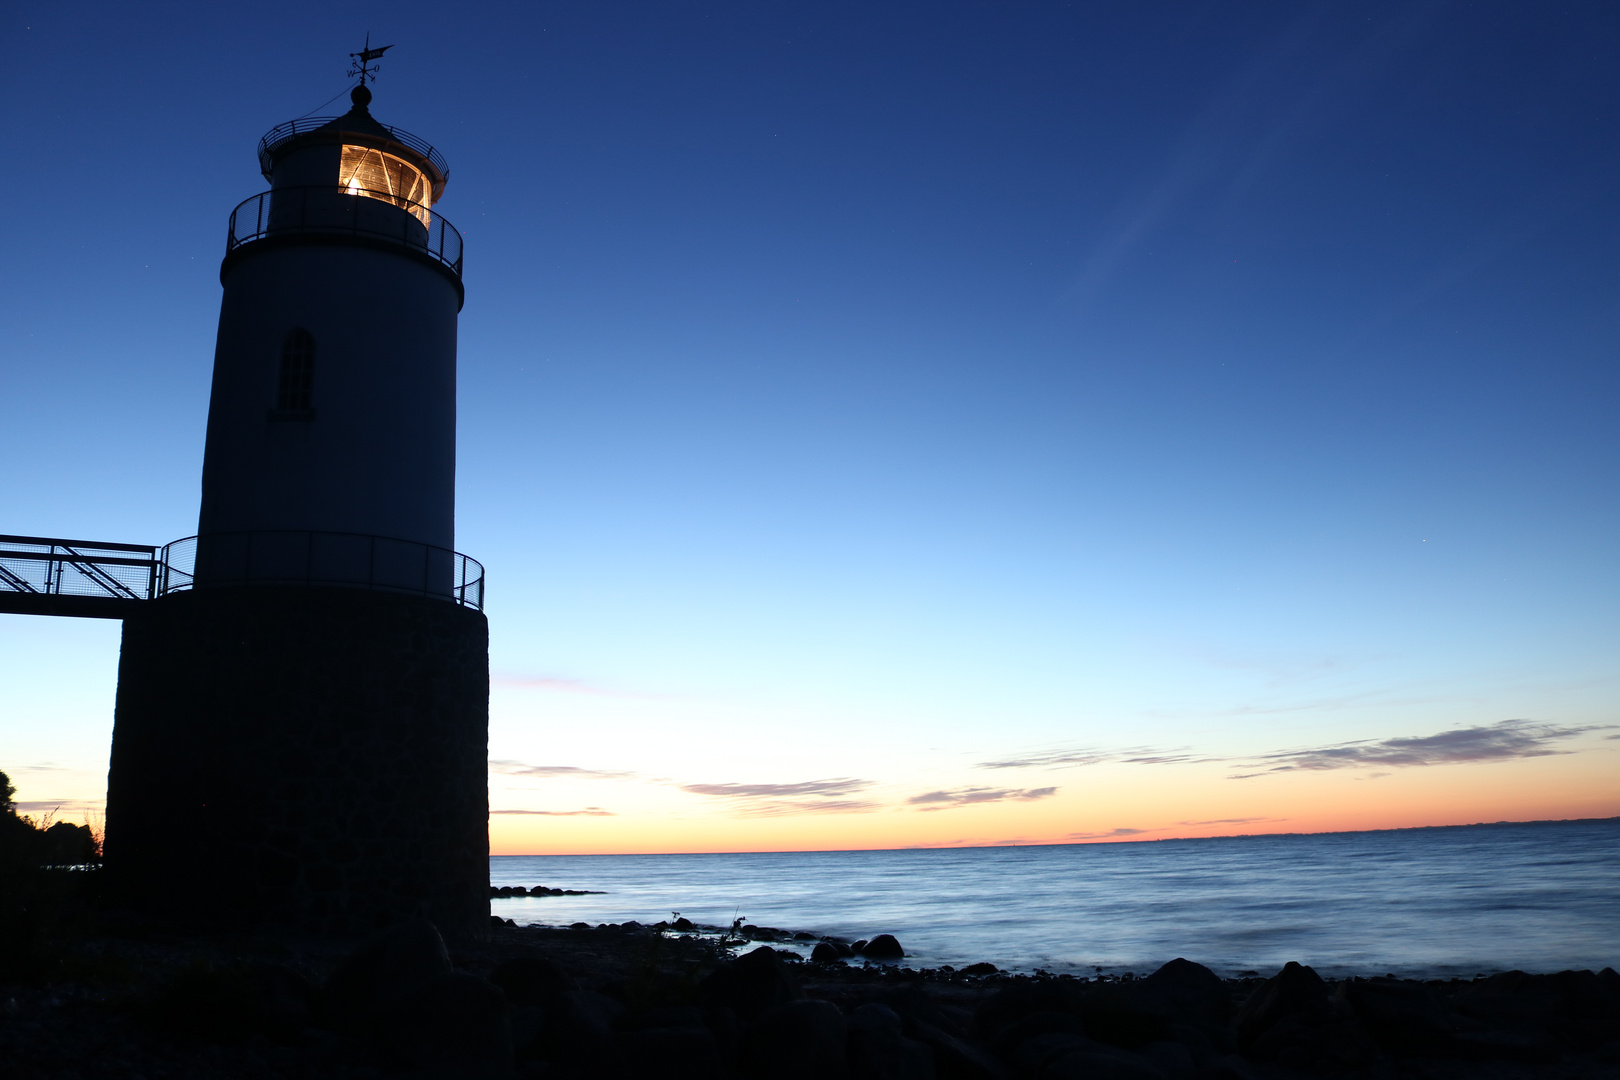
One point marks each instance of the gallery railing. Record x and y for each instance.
(46, 566)
(293, 128)
(341, 211)
(350, 560)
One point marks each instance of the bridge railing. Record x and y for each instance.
(47, 566)
(35, 569)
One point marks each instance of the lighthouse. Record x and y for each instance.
(302, 713)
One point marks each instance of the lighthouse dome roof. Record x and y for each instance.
(357, 127)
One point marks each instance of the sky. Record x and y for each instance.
(908, 424)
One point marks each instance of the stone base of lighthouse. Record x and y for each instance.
(313, 758)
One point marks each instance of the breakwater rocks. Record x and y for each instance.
(630, 1002)
(498, 892)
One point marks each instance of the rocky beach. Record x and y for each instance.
(685, 1001)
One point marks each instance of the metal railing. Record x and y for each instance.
(281, 133)
(344, 211)
(293, 557)
(45, 566)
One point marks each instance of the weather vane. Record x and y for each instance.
(362, 65)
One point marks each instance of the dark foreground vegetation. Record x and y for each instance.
(633, 1001)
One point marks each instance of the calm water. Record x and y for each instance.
(1417, 902)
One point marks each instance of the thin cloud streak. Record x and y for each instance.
(1109, 835)
(1236, 821)
(1505, 741)
(519, 768)
(781, 800)
(1064, 758)
(589, 811)
(971, 796)
(845, 786)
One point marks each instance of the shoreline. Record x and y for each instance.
(704, 1003)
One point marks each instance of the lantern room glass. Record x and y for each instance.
(377, 175)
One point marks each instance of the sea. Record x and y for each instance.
(1417, 903)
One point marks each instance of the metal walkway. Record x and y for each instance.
(41, 575)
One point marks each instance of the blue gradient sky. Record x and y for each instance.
(864, 393)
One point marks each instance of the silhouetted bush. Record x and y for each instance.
(47, 877)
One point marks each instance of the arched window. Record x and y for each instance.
(295, 389)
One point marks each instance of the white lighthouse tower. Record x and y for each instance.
(306, 726)
(334, 402)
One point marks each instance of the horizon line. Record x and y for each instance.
(1051, 843)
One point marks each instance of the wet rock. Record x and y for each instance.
(452, 1026)
(751, 984)
(878, 1049)
(799, 1040)
(883, 947)
(825, 953)
(683, 923)
(981, 968)
(390, 963)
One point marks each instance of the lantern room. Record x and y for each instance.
(358, 155)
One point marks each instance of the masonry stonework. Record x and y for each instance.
(314, 756)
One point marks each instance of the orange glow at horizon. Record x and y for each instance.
(1112, 804)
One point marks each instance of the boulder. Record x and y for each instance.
(879, 1050)
(751, 984)
(578, 1026)
(1010, 1004)
(1190, 993)
(912, 1003)
(234, 1003)
(954, 1059)
(1296, 990)
(883, 947)
(389, 963)
(1106, 1065)
(452, 1026)
(532, 980)
(1402, 1017)
(825, 953)
(1010, 1042)
(1126, 1015)
(798, 1040)
(1030, 1055)
(671, 1053)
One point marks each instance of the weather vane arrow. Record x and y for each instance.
(362, 65)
